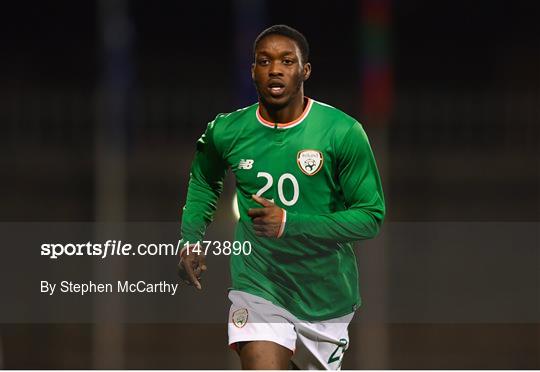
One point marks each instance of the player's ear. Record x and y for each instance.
(307, 70)
(253, 71)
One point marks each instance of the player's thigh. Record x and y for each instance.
(264, 355)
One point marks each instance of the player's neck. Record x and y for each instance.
(284, 114)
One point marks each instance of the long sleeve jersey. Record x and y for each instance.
(321, 170)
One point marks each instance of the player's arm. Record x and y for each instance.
(362, 190)
(205, 185)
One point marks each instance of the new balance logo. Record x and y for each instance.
(245, 164)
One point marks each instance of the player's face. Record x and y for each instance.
(278, 71)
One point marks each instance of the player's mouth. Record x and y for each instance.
(276, 89)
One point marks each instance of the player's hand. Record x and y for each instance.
(268, 220)
(191, 267)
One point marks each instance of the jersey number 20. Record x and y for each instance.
(281, 180)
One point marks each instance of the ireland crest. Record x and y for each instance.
(240, 317)
(310, 161)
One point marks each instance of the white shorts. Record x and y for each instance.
(315, 345)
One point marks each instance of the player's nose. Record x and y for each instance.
(275, 69)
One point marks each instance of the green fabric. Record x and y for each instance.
(311, 270)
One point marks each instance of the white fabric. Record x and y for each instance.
(315, 345)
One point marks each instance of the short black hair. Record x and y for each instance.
(289, 32)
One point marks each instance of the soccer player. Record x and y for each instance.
(307, 187)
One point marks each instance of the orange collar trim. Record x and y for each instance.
(290, 124)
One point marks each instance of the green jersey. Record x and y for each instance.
(320, 169)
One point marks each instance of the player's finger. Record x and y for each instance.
(259, 221)
(191, 276)
(256, 212)
(265, 233)
(202, 262)
(262, 201)
(198, 275)
(259, 227)
(181, 270)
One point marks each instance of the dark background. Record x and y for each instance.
(101, 104)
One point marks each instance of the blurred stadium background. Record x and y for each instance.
(101, 103)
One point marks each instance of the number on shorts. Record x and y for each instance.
(334, 358)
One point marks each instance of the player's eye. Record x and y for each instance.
(263, 62)
(288, 61)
